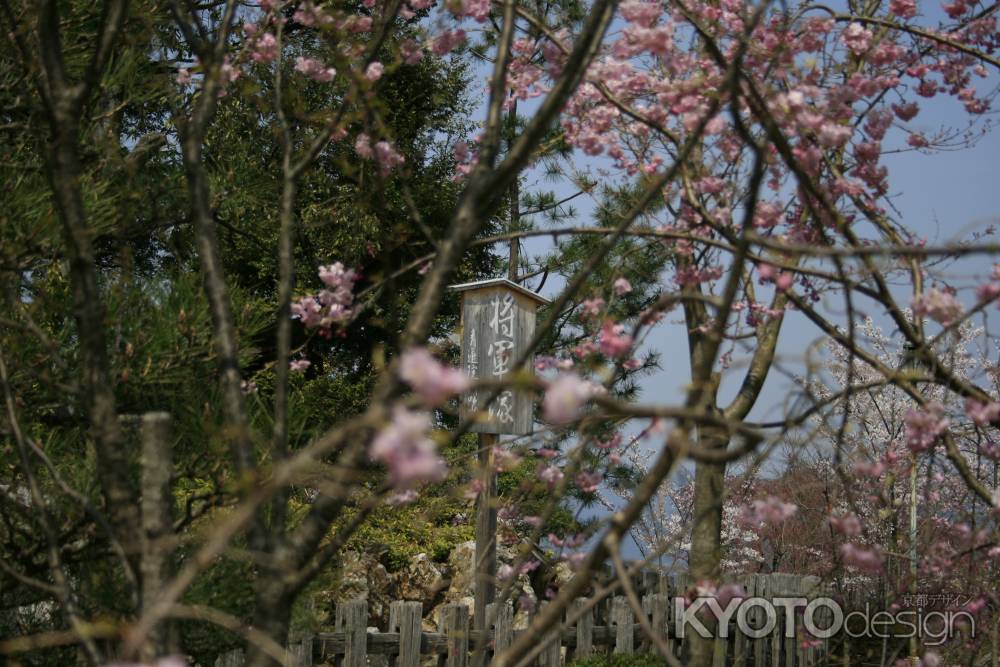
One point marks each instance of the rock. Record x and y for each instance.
(421, 581)
(362, 577)
(522, 587)
(461, 567)
(562, 573)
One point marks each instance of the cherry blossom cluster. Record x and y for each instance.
(767, 510)
(924, 426)
(868, 560)
(565, 397)
(939, 304)
(383, 152)
(433, 381)
(332, 306)
(649, 87)
(405, 447)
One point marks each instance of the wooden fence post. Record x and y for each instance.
(302, 652)
(156, 542)
(404, 618)
(584, 629)
(455, 627)
(741, 649)
(552, 651)
(485, 567)
(501, 619)
(657, 607)
(352, 620)
(623, 620)
(232, 658)
(681, 583)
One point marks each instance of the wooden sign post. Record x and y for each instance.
(498, 321)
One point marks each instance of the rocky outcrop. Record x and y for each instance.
(421, 580)
(362, 576)
(461, 570)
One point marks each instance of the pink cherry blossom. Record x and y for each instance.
(504, 460)
(309, 15)
(592, 307)
(551, 475)
(614, 341)
(903, 8)
(228, 74)
(589, 480)
(847, 524)
(768, 510)
(473, 489)
(406, 449)
(411, 52)
(374, 71)
(906, 112)
(565, 397)
(924, 426)
(387, 157)
(314, 69)
(987, 292)
(479, 10)
(939, 305)
(865, 559)
(622, 286)
(363, 146)
(544, 363)
(337, 277)
(332, 305)
(642, 12)
(447, 41)
(982, 414)
(833, 135)
(857, 38)
(433, 381)
(264, 48)
(729, 592)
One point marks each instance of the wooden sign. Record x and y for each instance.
(498, 321)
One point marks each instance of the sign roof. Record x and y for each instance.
(501, 282)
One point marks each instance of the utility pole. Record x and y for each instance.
(486, 506)
(911, 361)
(498, 322)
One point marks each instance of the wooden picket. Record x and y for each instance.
(608, 626)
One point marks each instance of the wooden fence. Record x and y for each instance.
(589, 627)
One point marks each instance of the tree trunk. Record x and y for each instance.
(272, 616)
(706, 535)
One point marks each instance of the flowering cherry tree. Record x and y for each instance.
(743, 151)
